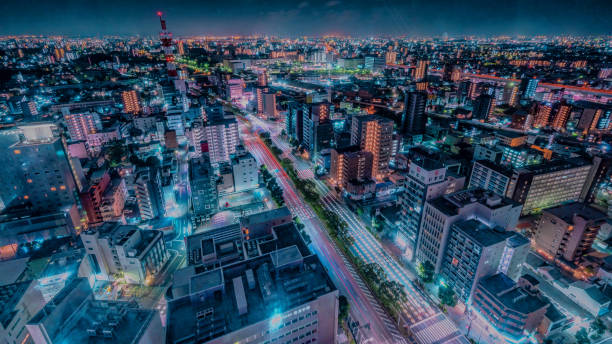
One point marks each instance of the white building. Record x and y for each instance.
(245, 171)
(222, 138)
(125, 251)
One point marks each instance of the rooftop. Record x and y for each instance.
(10, 295)
(481, 233)
(270, 290)
(451, 203)
(510, 295)
(566, 212)
(266, 216)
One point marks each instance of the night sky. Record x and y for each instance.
(307, 17)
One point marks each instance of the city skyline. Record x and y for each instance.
(309, 17)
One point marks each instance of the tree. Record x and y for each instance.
(426, 271)
(344, 308)
(582, 337)
(447, 296)
(598, 327)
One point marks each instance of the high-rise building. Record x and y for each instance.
(548, 184)
(317, 128)
(262, 78)
(414, 119)
(203, 189)
(593, 117)
(294, 121)
(91, 197)
(528, 87)
(484, 105)
(390, 57)
(426, 179)
(567, 231)
(374, 63)
(542, 115)
(114, 249)
(43, 166)
(266, 103)
(81, 124)
(420, 72)
(349, 163)
(441, 212)
(245, 172)
(149, 193)
(562, 113)
(271, 290)
(474, 251)
(374, 134)
(131, 103)
(222, 137)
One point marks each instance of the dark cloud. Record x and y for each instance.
(312, 17)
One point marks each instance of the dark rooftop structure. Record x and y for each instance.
(566, 212)
(510, 295)
(481, 233)
(209, 301)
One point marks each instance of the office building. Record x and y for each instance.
(261, 286)
(375, 135)
(414, 119)
(222, 137)
(131, 103)
(426, 179)
(81, 124)
(548, 184)
(74, 316)
(203, 190)
(245, 172)
(474, 251)
(348, 164)
(487, 152)
(374, 64)
(43, 168)
(119, 250)
(567, 231)
(441, 213)
(20, 301)
(20, 225)
(509, 307)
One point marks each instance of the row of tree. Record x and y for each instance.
(275, 190)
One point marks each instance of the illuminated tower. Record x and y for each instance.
(165, 37)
